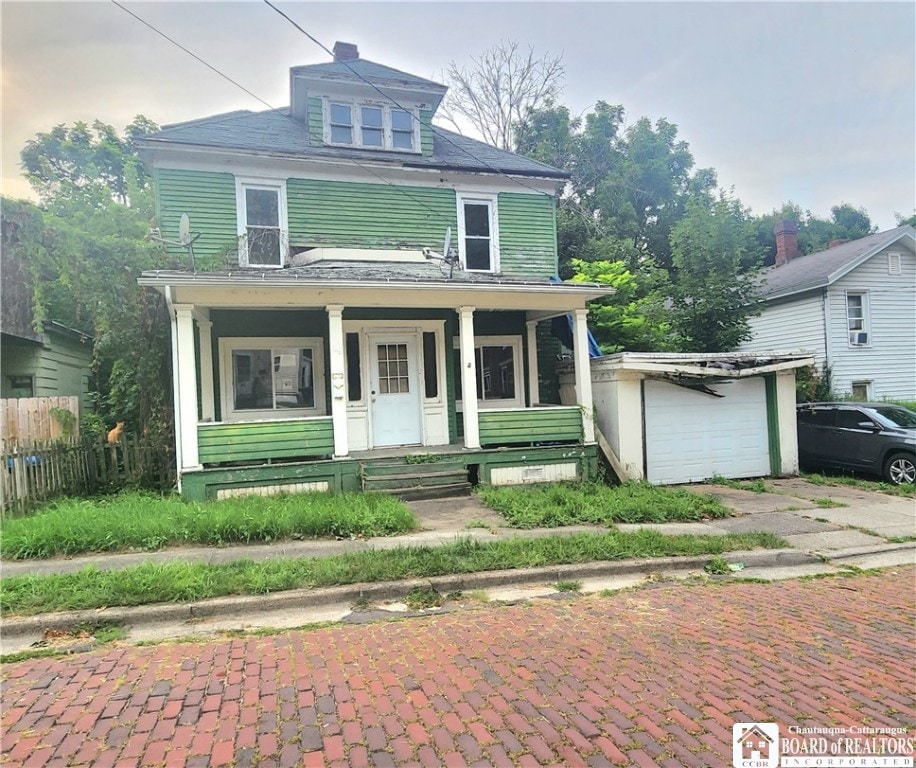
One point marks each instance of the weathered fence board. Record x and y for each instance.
(41, 470)
(30, 419)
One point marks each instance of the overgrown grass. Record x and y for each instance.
(755, 486)
(907, 490)
(178, 582)
(553, 505)
(149, 522)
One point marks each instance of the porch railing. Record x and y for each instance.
(264, 440)
(530, 425)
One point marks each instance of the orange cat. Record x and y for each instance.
(114, 435)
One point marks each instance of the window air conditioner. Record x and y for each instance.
(858, 338)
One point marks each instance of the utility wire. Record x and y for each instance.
(279, 111)
(385, 96)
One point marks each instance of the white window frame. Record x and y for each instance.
(866, 385)
(242, 184)
(229, 344)
(490, 200)
(515, 342)
(356, 115)
(852, 333)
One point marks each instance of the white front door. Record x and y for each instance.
(394, 390)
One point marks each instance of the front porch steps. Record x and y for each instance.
(413, 481)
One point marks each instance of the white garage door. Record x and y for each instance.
(691, 436)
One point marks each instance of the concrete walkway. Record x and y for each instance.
(826, 527)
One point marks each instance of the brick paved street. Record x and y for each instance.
(651, 677)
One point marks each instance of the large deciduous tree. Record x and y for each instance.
(85, 245)
(498, 89)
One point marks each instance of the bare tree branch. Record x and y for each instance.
(496, 91)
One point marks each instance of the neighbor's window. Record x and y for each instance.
(475, 229)
(857, 319)
(21, 386)
(860, 390)
(282, 377)
(262, 219)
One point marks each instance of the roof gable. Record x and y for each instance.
(361, 70)
(818, 270)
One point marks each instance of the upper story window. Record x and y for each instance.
(372, 126)
(262, 223)
(476, 234)
(857, 319)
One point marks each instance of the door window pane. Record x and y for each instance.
(392, 369)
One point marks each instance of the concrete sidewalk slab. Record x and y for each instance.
(830, 540)
(748, 502)
(801, 488)
(780, 523)
(889, 519)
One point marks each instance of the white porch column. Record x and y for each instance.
(583, 374)
(205, 341)
(468, 376)
(534, 387)
(186, 394)
(338, 379)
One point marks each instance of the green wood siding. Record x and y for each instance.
(527, 234)
(209, 199)
(59, 367)
(532, 425)
(358, 215)
(265, 440)
(426, 131)
(316, 119)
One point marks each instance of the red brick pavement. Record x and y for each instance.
(645, 678)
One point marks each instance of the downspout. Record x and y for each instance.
(176, 405)
(826, 314)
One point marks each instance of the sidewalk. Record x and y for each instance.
(821, 539)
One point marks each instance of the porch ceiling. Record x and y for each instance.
(272, 289)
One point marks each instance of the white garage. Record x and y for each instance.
(690, 438)
(681, 418)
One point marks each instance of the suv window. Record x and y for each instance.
(817, 417)
(850, 419)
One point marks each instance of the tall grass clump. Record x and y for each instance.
(553, 505)
(143, 521)
(183, 582)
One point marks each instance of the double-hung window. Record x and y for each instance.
(498, 360)
(477, 235)
(371, 126)
(272, 377)
(857, 319)
(262, 223)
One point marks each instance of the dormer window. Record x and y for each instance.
(371, 126)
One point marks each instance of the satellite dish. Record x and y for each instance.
(184, 230)
(448, 243)
(447, 260)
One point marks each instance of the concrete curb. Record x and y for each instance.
(873, 549)
(392, 590)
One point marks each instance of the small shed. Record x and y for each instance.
(681, 418)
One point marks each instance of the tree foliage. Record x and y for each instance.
(85, 245)
(496, 91)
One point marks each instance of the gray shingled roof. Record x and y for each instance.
(356, 70)
(275, 132)
(817, 270)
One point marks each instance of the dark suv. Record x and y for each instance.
(868, 437)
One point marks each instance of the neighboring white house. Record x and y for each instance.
(852, 306)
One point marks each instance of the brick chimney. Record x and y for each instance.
(786, 232)
(345, 51)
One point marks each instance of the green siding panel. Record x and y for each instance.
(769, 382)
(530, 426)
(209, 200)
(316, 119)
(359, 215)
(426, 131)
(265, 440)
(527, 234)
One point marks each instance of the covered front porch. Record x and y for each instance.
(287, 379)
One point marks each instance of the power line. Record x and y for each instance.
(277, 110)
(385, 96)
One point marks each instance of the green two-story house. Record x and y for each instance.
(325, 329)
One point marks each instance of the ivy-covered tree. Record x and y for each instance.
(85, 245)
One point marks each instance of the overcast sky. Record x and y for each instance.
(814, 103)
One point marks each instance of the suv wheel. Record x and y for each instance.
(900, 468)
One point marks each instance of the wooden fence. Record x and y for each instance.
(42, 419)
(41, 470)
